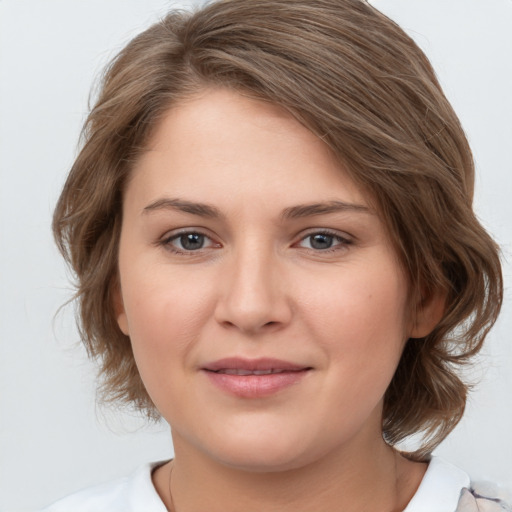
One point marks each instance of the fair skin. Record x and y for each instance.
(243, 238)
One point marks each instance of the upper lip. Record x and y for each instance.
(251, 365)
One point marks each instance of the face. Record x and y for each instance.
(259, 289)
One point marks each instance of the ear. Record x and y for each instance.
(119, 310)
(427, 314)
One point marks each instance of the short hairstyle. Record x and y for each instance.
(356, 80)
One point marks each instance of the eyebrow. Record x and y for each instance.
(200, 209)
(311, 209)
(292, 212)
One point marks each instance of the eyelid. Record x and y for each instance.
(167, 239)
(344, 238)
(325, 231)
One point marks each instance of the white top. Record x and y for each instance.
(439, 491)
(440, 488)
(134, 493)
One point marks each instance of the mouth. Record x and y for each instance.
(240, 371)
(255, 378)
(261, 366)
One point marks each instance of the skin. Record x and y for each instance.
(258, 284)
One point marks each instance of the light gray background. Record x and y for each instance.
(53, 439)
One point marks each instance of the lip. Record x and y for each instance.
(235, 375)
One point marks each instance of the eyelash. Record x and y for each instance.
(342, 244)
(167, 242)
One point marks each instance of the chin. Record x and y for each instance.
(266, 452)
(255, 461)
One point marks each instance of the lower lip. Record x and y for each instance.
(255, 386)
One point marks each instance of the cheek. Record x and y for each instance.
(359, 318)
(359, 322)
(166, 312)
(362, 303)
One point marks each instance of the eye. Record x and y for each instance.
(324, 241)
(187, 242)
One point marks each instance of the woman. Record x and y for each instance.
(270, 222)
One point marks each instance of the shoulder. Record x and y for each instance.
(122, 495)
(484, 497)
(109, 496)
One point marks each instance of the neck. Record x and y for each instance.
(377, 478)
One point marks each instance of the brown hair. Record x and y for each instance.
(360, 83)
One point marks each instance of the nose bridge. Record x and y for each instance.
(253, 294)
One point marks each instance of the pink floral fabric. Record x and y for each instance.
(484, 498)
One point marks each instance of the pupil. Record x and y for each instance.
(192, 241)
(321, 241)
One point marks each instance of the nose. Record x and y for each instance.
(254, 296)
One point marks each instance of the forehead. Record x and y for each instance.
(221, 144)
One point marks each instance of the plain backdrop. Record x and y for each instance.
(53, 438)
